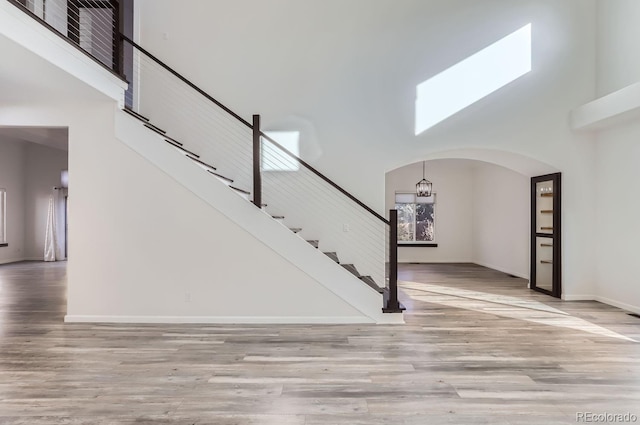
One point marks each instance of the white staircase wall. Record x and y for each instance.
(304, 199)
(179, 246)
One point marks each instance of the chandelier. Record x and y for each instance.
(423, 187)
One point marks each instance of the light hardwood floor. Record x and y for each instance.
(478, 348)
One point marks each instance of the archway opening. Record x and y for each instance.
(480, 213)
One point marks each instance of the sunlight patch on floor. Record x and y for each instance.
(483, 296)
(504, 306)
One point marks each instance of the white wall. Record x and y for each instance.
(618, 33)
(501, 217)
(453, 185)
(482, 214)
(144, 248)
(42, 174)
(361, 109)
(617, 229)
(12, 178)
(355, 85)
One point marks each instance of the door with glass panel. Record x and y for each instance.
(545, 234)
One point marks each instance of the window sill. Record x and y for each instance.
(418, 245)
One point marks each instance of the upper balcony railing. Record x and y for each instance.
(93, 26)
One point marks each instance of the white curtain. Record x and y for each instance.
(50, 239)
(54, 240)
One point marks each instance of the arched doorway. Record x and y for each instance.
(481, 212)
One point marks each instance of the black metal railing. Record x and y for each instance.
(307, 199)
(92, 26)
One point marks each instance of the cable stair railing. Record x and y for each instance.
(238, 153)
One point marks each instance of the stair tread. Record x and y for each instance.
(372, 283)
(351, 268)
(314, 243)
(174, 141)
(181, 148)
(221, 176)
(241, 190)
(278, 217)
(156, 129)
(295, 229)
(201, 162)
(333, 256)
(135, 114)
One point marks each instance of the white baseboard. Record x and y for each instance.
(12, 260)
(71, 318)
(502, 269)
(18, 260)
(619, 304)
(578, 297)
(603, 300)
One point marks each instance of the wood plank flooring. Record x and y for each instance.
(478, 348)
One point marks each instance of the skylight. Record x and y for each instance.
(475, 77)
(273, 158)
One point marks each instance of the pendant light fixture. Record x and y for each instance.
(423, 187)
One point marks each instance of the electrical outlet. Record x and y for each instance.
(346, 227)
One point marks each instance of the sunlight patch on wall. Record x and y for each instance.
(470, 80)
(273, 158)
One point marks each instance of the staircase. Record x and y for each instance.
(183, 150)
(238, 154)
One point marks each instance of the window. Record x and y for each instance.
(475, 77)
(416, 218)
(273, 158)
(3, 217)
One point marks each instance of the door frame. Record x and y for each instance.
(556, 272)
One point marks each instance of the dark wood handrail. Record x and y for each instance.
(185, 80)
(248, 124)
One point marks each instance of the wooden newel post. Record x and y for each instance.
(257, 160)
(392, 305)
